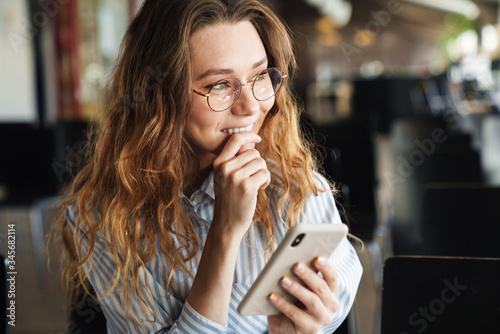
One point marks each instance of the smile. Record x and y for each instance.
(237, 130)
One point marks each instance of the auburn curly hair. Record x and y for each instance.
(141, 159)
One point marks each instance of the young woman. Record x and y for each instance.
(198, 171)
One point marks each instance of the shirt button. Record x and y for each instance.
(197, 198)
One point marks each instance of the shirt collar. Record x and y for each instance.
(207, 187)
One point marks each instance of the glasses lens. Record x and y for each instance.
(223, 94)
(267, 84)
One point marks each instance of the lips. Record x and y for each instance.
(237, 130)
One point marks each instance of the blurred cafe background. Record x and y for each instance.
(401, 96)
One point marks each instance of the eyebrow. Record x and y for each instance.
(220, 71)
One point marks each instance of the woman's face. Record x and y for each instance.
(221, 52)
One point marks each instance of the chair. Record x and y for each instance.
(420, 159)
(490, 153)
(87, 318)
(351, 141)
(406, 130)
(41, 213)
(332, 168)
(351, 163)
(440, 295)
(460, 219)
(26, 169)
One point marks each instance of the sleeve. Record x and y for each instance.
(322, 209)
(170, 314)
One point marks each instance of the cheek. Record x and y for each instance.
(265, 107)
(200, 115)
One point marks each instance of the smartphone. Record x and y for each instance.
(303, 242)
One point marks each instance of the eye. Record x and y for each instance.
(262, 76)
(254, 78)
(221, 87)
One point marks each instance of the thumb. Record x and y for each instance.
(245, 148)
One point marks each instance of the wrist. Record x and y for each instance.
(227, 231)
(211, 290)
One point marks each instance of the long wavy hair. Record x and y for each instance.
(128, 191)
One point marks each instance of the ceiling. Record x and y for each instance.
(422, 18)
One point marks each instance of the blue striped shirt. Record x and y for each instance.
(173, 314)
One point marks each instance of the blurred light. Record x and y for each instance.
(468, 41)
(489, 38)
(453, 50)
(456, 75)
(324, 24)
(364, 37)
(372, 69)
(473, 68)
(478, 68)
(94, 73)
(464, 7)
(330, 40)
(339, 11)
(328, 35)
(324, 73)
(450, 20)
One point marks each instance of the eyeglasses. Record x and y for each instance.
(224, 93)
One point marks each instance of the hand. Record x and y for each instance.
(319, 300)
(239, 172)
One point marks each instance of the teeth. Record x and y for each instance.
(237, 130)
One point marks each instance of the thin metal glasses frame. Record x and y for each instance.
(283, 76)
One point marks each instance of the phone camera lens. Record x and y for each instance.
(298, 239)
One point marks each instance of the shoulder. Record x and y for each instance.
(318, 206)
(82, 223)
(322, 183)
(321, 207)
(71, 214)
(277, 183)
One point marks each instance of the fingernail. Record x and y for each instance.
(286, 281)
(300, 268)
(320, 261)
(272, 297)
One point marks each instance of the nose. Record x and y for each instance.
(246, 104)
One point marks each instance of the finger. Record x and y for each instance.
(299, 317)
(318, 286)
(234, 144)
(307, 297)
(252, 173)
(262, 177)
(328, 272)
(236, 163)
(279, 322)
(245, 148)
